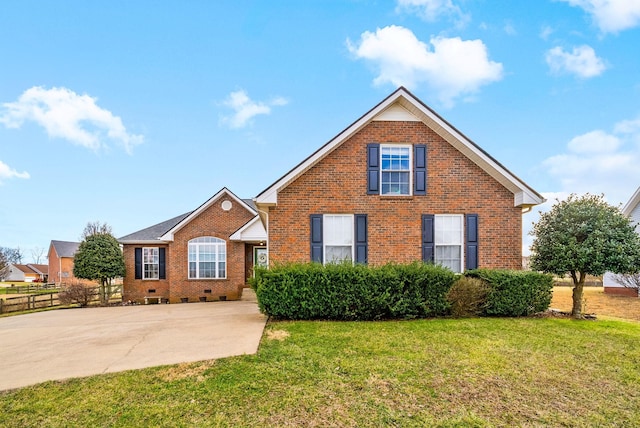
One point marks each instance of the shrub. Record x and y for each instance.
(468, 297)
(353, 292)
(77, 294)
(515, 293)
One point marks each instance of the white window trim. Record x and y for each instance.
(410, 147)
(216, 270)
(324, 238)
(462, 238)
(144, 272)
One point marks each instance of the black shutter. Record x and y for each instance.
(428, 241)
(316, 238)
(361, 238)
(373, 169)
(420, 169)
(138, 263)
(471, 238)
(162, 263)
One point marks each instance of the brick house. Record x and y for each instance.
(399, 184)
(204, 255)
(60, 257)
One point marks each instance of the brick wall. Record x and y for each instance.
(455, 185)
(213, 221)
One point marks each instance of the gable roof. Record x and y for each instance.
(168, 235)
(65, 248)
(39, 269)
(402, 105)
(22, 268)
(251, 231)
(152, 234)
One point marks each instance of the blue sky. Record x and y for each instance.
(131, 113)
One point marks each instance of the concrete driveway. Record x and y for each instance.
(77, 342)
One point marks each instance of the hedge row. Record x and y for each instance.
(515, 293)
(393, 291)
(353, 292)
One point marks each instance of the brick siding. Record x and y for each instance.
(455, 185)
(213, 221)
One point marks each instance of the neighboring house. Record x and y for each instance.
(400, 184)
(24, 273)
(60, 256)
(41, 270)
(204, 255)
(632, 210)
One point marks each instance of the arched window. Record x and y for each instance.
(207, 258)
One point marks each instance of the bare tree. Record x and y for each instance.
(629, 281)
(95, 228)
(36, 254)
(9, 255)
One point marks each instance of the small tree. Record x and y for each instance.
(99, 258)
(584, 236)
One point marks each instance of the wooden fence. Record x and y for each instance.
(47, 300)
(29, 288)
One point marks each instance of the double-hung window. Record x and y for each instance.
(395, 169)
(150, 263)
(338, 238)
(207, 258)
(449, 239)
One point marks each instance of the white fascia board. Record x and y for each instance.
(252, 231)
(415, 107)
(523, 195)
(270, 195)
(628, 208)
(168, 236)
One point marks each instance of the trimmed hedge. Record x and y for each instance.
(393, 291)
(353, 292)
(515, 293)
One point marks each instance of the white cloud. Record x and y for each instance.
(431, 10)
(65, 114)
(594, 142)
(452, 69)
(246, 109)
(582, 61)
(611, 16)
(545, 32)
(6, 173)
(600, 162)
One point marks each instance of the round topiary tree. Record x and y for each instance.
(584, 236)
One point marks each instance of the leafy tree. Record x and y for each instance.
(99, 258)
(584, 236)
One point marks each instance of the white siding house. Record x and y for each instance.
(631, 210)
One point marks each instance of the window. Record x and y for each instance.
(449, 238)
(207, 258)
(395, 170)
(150, 263)
(338, 238)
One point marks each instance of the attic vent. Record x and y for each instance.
(226, 205)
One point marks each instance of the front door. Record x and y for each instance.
(260, 257)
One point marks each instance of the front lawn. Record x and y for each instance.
(443, 372)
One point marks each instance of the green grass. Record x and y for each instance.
(472, 372)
